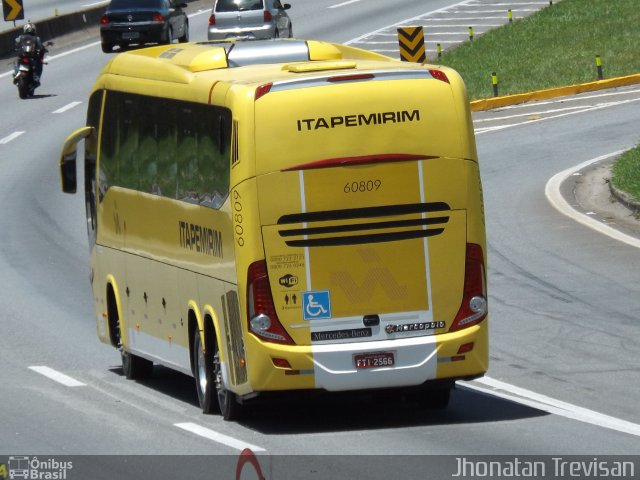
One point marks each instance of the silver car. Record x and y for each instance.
(249, 19)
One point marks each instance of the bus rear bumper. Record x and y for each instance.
(416, 361)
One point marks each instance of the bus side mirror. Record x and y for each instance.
(68, 174)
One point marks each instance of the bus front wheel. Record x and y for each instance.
(134, 367)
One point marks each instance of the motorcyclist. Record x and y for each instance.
(29, 32)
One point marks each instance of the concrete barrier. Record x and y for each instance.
(53, 27)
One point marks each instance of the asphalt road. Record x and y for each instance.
(563, 380)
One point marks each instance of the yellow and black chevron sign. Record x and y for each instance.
(12, 10)
(411, 40)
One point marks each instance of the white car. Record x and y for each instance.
(249, 19)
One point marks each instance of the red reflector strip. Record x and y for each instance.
(366, 159)
(351, 78)
(465, 348)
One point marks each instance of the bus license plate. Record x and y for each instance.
(374, 360)
(130, 35)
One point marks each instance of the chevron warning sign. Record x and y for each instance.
(411, 40)
(12, 10)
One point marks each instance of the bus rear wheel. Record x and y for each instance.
(229, 406)
(203, 373)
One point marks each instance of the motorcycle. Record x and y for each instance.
(25, 67)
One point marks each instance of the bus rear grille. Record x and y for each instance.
(356, 226)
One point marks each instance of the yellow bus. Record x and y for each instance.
(285, 215)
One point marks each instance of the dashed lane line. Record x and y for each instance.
(68, 106)
(56, 376)
(218, 437)
(10, 137)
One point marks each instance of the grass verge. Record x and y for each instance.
(555, 47)
(626, 173)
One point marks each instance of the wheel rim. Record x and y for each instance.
(217, 373)
(202, 367)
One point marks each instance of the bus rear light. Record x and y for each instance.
(351, 78)
(439, 75)
(465, 348)
(281, 363)
(474, 299)
(262, 90)
(157, 17)
(261, 312)
(267, 16)
(104, 20)
(212, 20)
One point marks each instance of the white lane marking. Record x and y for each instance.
(552, 405)
(527, 114)
(67, 107)
(8, 138)
(600, 106)
(104, 2)
(338, 5)
(404, 22)
(57, 376)
(552, 192)
(218, 437)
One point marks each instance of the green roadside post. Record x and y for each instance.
(439, 49)
(510, 16)
(471, 34)
(494, 83)
(599, 67)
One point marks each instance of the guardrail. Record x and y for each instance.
(53, 27)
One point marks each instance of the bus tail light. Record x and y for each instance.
(157, 17)
(263, 90)
(104, 20)
(261, 312)
(439, 75)
(474, 300)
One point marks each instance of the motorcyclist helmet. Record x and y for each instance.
(29, 29)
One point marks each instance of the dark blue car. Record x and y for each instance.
(129, 22)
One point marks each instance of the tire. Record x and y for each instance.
(23, 90)
(185, 36)
(134, 367)
(203, 373)
(230, 409)
(107, 47)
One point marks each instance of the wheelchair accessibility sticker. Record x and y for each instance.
(316, 305)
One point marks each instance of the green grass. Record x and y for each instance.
(554, 47)
(557, 46)
(626, 173)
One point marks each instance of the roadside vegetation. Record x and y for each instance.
(626, 173)
(557, 46)
(554, 47)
